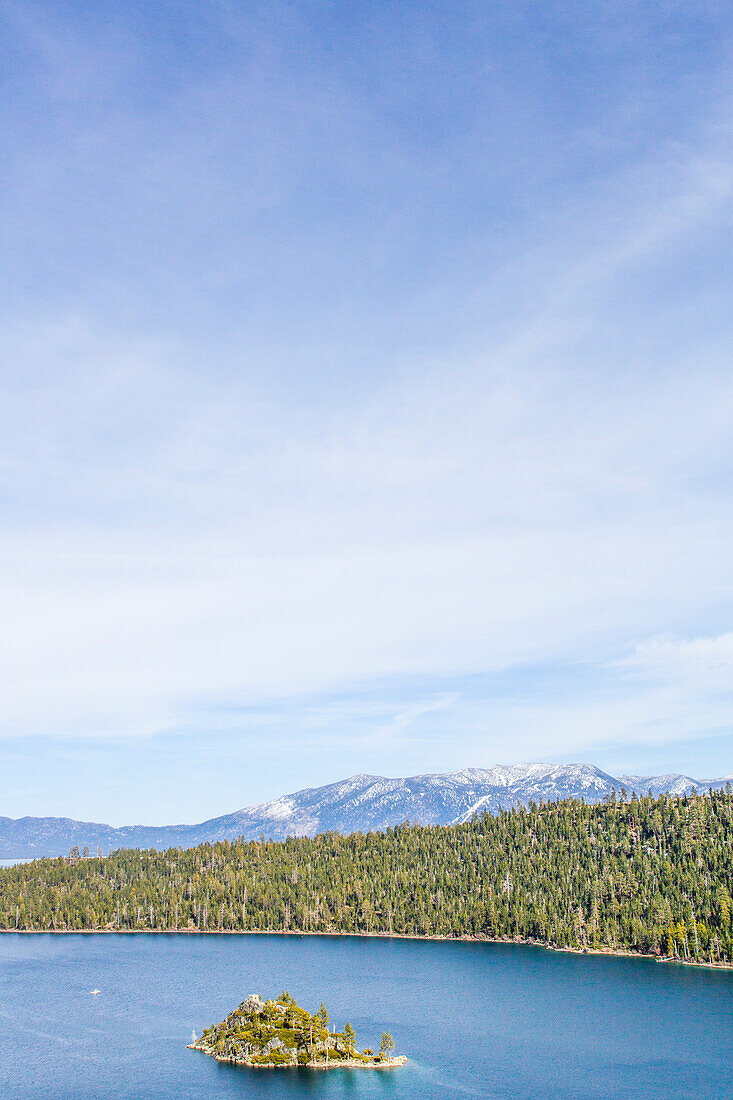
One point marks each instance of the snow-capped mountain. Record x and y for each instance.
(360, 803)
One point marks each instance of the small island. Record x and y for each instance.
(281, 1033)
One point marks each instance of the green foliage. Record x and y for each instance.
(386, 1045)
(279, 1033)
(651, 875)
(349, 1038)
(278, 1059)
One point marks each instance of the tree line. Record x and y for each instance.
(652, 875)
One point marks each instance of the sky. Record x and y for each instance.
(367, 395)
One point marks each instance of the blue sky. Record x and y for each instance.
(366, 395)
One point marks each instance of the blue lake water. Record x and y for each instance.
(482, 1020)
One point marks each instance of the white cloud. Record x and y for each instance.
(703, 664)
(506, 463)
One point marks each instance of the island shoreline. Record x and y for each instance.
(603, 951)
(350, 1063)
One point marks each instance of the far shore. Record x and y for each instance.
(610, 951)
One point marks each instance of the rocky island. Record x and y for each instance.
(281, 1033)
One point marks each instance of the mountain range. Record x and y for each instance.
(360, 803)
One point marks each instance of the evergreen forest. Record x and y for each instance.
(651, 875)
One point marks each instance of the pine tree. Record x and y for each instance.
(386, 1045)
(349, 1038)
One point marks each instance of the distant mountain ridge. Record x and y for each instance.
(360, 803)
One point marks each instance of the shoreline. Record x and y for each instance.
(608, 951)
(346, 1063)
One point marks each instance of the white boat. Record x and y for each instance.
(94, 992)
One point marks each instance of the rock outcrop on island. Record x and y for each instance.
(281, 1033)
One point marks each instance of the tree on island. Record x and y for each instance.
(349, 1038)
(386, 1046)
(289, 1002)
(324, 1020)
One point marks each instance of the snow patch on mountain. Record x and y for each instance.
(359, 803)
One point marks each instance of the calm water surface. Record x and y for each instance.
(480, 1020)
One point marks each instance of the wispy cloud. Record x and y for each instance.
(702, 663)
(336, 360)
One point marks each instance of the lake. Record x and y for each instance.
(485, 1020)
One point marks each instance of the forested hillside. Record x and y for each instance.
(651, 874)
(362, 803)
